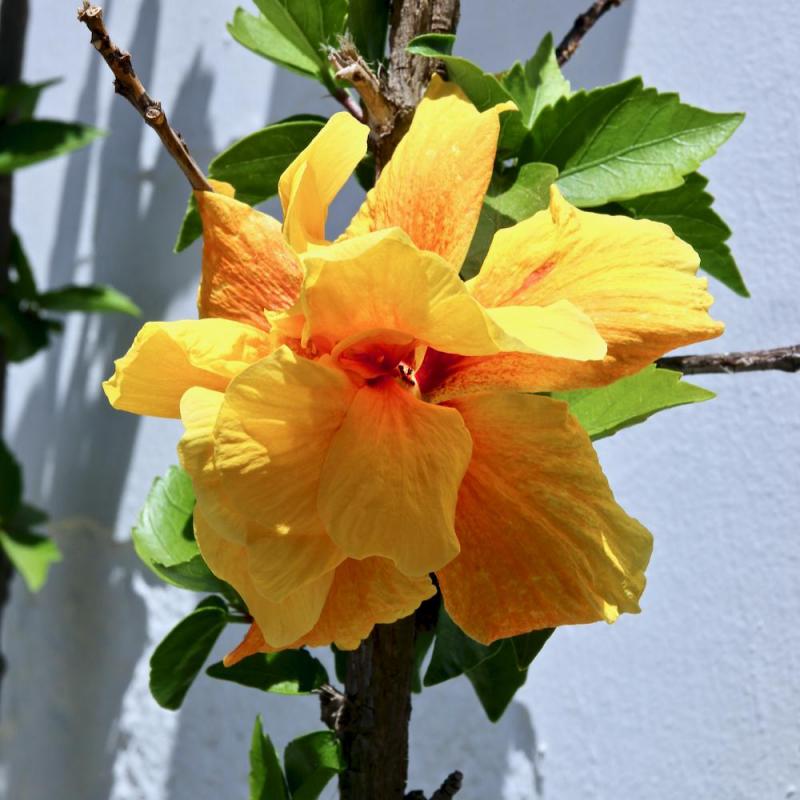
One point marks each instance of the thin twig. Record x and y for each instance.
(450, 787)
(786, 359)
(346, 99)
(582, 25)
(130, 87)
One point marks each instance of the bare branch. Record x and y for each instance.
(130, 87)
(582, 25)
(786, 359)
(450, 787)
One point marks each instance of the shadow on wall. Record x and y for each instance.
(65, 689)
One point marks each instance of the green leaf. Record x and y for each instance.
(422, 644)
(528, 645)
(513, 195)
(24, 330)
(310, 762)
(10, 483)
(621, 141)
(180, 656)
(368, 21)
(18, 101)
(687, 210)
(340, 663)
(253, 166)
(497, 679)
(266, 776)
(23, 283)
(483, 89)
(285, 672)
(629, 401)
(30, 141)
(454, 653)
(31, 554)
(88, 298)
(537, 84)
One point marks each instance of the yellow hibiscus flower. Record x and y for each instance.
(358, 418)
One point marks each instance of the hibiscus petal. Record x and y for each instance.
(543, 542)
(390, 480)
(281, 623)
(247, 264)
(634, 278)
(382, 281)
(433, 187)
(314, 178)
(167, 358)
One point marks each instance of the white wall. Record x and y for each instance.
(698, 697)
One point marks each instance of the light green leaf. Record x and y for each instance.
(497, 679)
(528, 645)
(31, 554)
(88, 298)
(621, 141)
(513, 195)
(629, 401)
(454, 653)
(266, 776)
(18, 101)
(30, 141)
(483, 89)
(176, 662)
(10, 483)
(253, 166)
(285, 672)
(687, 210)
(368, 21)
(310, 762)
(537, 84)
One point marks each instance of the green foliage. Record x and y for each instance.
(30, 141)
(310, 762)
(514, 194)
(496, 680)
(454, 653)
(285, 672)
(368, 23)
(422, 644)
(687, 210)
(266, 776)
(87, 298)
(621, 141)
(18, 101)
(528, 645)
(253, 166)
(293, 33)
(10, 483)
(176, 662)
(536, 84)
(629, 401)
(164, 537)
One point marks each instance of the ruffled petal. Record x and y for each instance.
(390, 479)
(634, 278)
(433, 187)
(383, 282)
(167, 358)
(248, 266)
(314, 178)
(281, 623)
(543, 542)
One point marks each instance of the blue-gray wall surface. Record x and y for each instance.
(698, 697)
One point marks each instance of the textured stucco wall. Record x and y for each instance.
(698, 697)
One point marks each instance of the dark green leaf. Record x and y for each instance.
(286, 672)
(182, 653)
(30, 141)
(365, 172)
(253, 166)
(629, 401)
(422, 644)
(621, 141)
(88, 298)
(483, 89)
(454, 653)
(528, 645)
(28, 516)
(23, 283)
(266, 776)
(687, 210)
(18, 101)
(24, 330)
(311, 761)
(497, 679)
(368, 21)
(31, 554)
(513, 195)
(195, 576)
(340, 663)
(10, 484)
(537, 84)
